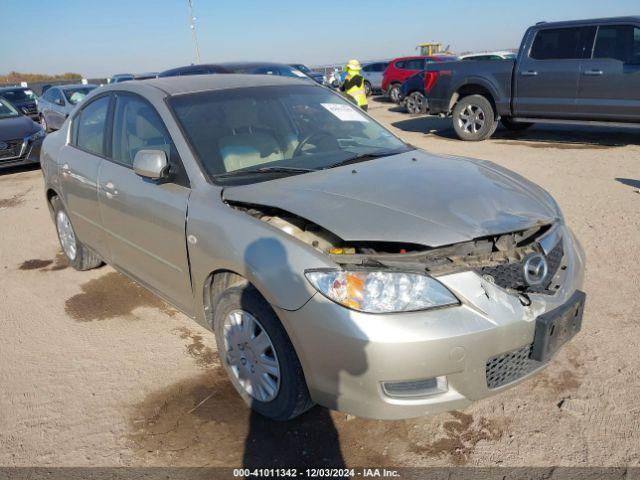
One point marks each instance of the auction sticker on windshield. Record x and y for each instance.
(345, 112)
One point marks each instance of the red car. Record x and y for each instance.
(402, 68)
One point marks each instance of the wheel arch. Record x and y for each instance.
(474, 88)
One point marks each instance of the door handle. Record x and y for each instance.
(593, 73)
(529, 73)
(65, 169)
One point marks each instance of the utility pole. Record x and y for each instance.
(192, 25)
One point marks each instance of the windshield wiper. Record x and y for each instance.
(274, 169)
(365, 156)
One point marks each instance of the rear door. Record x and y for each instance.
(609, 87)
(83, 157)
(144, 220)
(546, 83)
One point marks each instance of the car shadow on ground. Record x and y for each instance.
(629, 182)
(541, 136)
(19, 169)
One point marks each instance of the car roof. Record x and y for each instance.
(569, 23)
(16, 87)
(252, 64)
(74, 85)
(199, 83)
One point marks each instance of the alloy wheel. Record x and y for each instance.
(251, 356)
(66, 235)
(471, 119)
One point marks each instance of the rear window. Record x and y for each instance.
(563, 43)
(618, 42)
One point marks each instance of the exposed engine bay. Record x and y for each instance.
(497, 258)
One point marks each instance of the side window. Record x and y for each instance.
(367, 68)
(47, 96)
(56, 95)
(562, 43)
(136, 126)
(618, 42)
(91, 123)
(380, 67)
(401, 64)
(415, 64)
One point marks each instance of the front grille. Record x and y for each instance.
(10, 148)
(510, 366)
(511, 276)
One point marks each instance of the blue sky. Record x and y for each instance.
(102, 37)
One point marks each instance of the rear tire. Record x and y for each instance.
(514, 126)
(44, 124)
(78, 255)
(291, 398)
(394, 92)
(474, 118)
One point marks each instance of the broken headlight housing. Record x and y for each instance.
(381, 291)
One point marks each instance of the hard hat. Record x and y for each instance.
(353, 65)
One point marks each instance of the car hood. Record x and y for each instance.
(413, 197)
(16, 127)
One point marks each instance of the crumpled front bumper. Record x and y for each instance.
(347, 356)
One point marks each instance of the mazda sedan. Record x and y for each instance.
(334, 263)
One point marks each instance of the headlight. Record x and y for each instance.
(379, 291)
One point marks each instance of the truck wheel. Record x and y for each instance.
(474, 118)
(78, 256)
(514, 126)
(394, 92)
(367, 88)
(415, 103)
(258, 356)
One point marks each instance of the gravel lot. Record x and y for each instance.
(96, 371)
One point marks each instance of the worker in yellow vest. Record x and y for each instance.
(354, 84)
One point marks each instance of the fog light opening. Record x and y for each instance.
(426, 387)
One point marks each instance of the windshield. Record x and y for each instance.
(277, 129)
(7, 110)
(509, 56)
(74, 95)
(302, 68)
(18, 95)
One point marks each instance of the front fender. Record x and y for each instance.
(230, 239)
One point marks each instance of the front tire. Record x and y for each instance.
(474, 118)
(44, 124)
(258, 356)
(415, 103)
(367, 88)
(394, 92)
(77, 254)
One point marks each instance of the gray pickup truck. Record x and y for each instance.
(585, 71)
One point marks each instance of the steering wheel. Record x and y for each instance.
(311, 136)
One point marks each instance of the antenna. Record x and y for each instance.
(192, 25)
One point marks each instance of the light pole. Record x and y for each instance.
(192, 25)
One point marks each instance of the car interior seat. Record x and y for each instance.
(248, 144)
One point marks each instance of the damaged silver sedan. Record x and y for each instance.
(335, 263)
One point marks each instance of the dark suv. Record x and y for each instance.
(23, 99)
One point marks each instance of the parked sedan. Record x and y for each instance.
(23, 98)
(20, 137)
(334, 263)
(57, 103)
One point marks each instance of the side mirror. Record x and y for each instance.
(58, 101)
(151, 164)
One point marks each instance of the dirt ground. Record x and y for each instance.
(94, 370)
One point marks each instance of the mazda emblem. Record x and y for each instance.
(535, 269)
